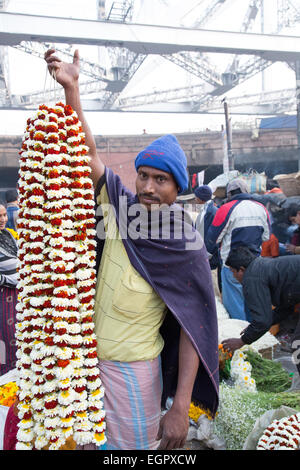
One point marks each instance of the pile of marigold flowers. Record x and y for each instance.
(8, 394)
(196, 411)
(224, 362)
(223, 353)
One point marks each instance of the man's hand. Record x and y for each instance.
(173, 429)
(67, 74)
(174, 425)
(290, 248)
(232, 344)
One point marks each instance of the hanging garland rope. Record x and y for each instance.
(60, 391)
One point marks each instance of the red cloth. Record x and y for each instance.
(270, 247)
(8, 300)
(194, 180)
(274, 190)
(295, 240)
(10, 430)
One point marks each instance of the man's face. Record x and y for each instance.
(296, 219)
(238, 274)
(3, 217)
(199, 201)
(155, 186)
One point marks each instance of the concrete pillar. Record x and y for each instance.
(297, 70)
(229, 137)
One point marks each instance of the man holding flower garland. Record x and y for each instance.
(155, 314)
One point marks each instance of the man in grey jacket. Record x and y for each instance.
(271, 287)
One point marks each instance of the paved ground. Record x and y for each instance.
(285, 358)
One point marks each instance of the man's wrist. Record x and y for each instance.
(181, 405)
(72, 88)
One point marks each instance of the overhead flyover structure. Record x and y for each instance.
(146, 39)
(189, 45)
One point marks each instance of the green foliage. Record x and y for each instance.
(269, 375)
(225, 371)
(291, 399)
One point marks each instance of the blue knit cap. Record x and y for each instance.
(203, 192)
(166, 154)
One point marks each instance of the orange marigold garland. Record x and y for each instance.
(60, 391)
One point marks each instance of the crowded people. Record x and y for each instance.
(240, 221)
(293, 246)
(203, 197)
(271, 288)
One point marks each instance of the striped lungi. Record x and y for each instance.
(8, 299)
(132, 403)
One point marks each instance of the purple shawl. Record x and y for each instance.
(182, 279)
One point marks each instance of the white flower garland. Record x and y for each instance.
(240, 371)
(60, 391)
(282, 434)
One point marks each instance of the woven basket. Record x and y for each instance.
(289, 184)
(267, 353)
(220, 192)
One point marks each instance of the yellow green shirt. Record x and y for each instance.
(128, 312)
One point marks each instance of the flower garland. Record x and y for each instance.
(282, 434)
(60, 391)
(240, 371)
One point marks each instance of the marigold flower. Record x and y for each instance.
(63, 362)
(51, 127)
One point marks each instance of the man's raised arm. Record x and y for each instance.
(67, 75)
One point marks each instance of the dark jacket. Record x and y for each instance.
(12, 213)
(210, 212)
(241, 221)
(295, 240)
(270, 282)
